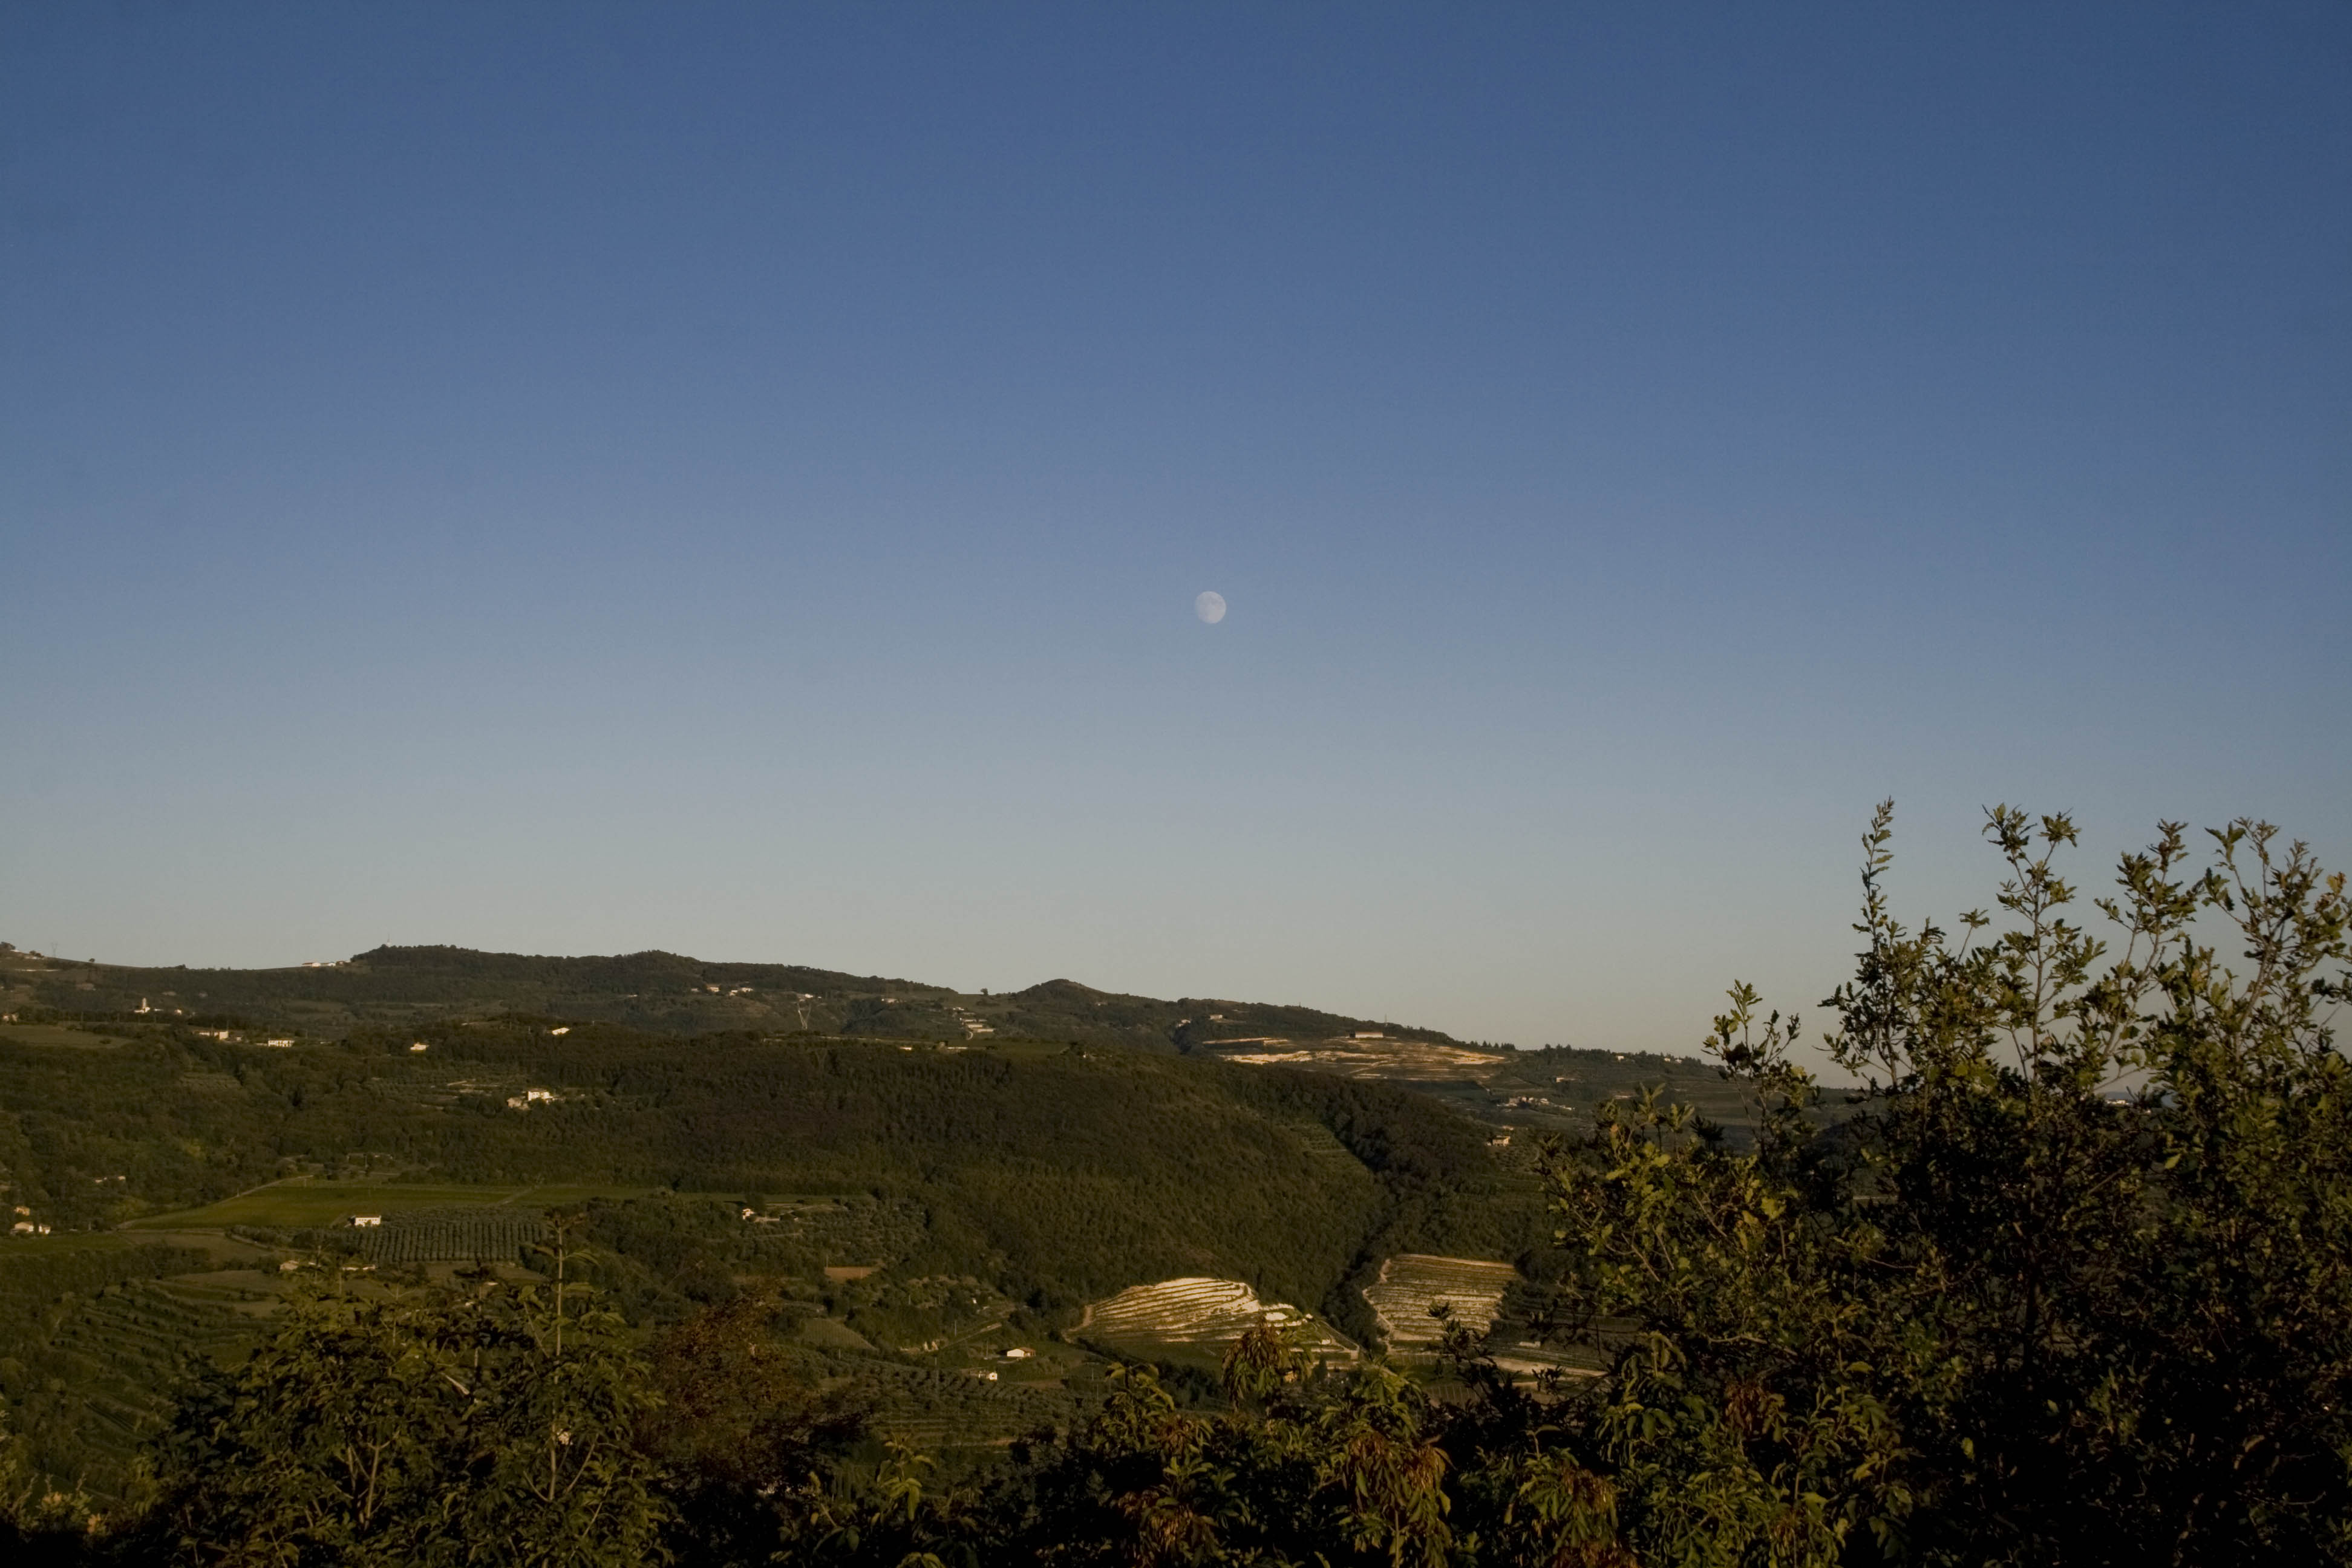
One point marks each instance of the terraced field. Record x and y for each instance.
(118, 1351)
(1413, 1282)
(937, 1410)
(1198, 1318)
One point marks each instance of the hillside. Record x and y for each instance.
(1029, 1177)
(661, 991)
(932, 1175)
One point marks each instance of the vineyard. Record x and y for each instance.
(1198, 1318)
(94, 1375)
(935, 1410)
(437, 1236)
(1411, 1283)
(311, 1203)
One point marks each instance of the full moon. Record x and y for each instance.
(1210, 607)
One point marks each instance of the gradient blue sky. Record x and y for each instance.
(735, 479)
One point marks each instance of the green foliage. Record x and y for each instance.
(1305, 1466)
(1048, 1177)
(1049, 1174)
(89, 1340)
(2071, 1287)
(417, 987)
(2071, 1283)
(741, 1431)
(494, 1424)
(2011, 1313)
(471, 1234)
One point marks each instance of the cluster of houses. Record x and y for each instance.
(532, 1097)
(231, 1037)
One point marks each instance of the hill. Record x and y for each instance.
(911, 1193)
(661, 991)
(933, 1177)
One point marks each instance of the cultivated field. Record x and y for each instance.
(304, 1202)
(1413, 1282)
(57, 1037)
(1198, 1318)
(1368, 1058)
(493, 1234)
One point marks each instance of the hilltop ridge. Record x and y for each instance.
(661, 991)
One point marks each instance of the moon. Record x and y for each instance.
(1210, 607)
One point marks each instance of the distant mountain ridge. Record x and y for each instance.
(663, 991)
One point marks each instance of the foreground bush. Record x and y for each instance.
(2075, 1287)
(492, 1425)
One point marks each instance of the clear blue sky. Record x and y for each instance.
(735, 479)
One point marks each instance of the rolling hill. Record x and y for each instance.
(660, 992)
(907, 1194)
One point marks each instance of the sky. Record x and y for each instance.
(736, 478)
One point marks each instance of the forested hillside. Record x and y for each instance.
(664, 992)
(1077, 1170)
(1044, 1175)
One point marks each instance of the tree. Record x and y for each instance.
(1308, 1463)
(2074, 1282)
(745, 1440)
(491, 1425)
(2067, 1279)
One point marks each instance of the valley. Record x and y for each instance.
(957, 1233)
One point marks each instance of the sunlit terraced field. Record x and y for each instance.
(1411, 1283)
(1198, 1318)
(1474, 1288)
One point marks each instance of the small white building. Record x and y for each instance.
(366, 1221)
